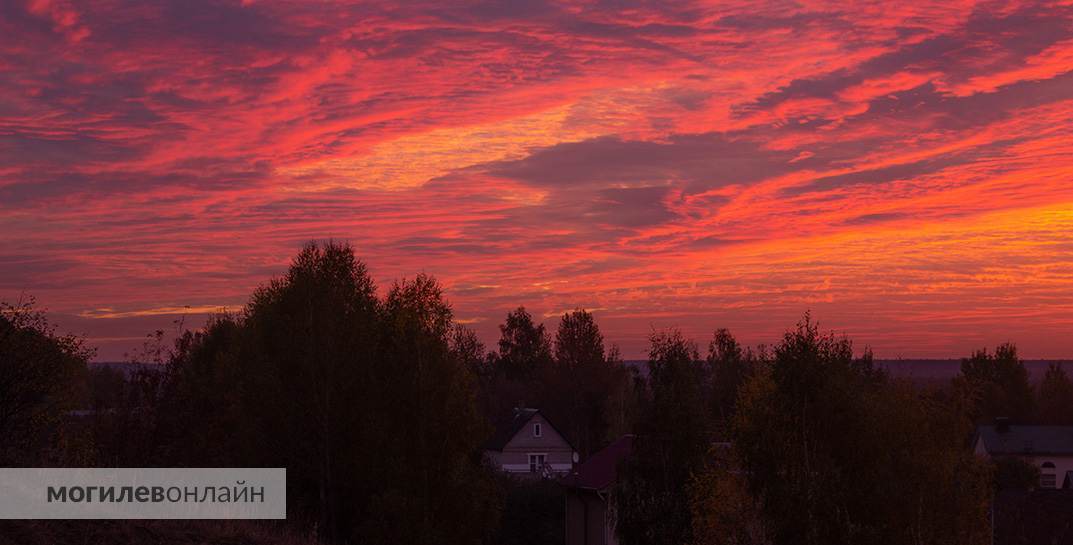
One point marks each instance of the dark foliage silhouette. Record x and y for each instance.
(39, 371)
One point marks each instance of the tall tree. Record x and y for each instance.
(724, 510)
(652, 498)
(431, 476)
(312, 378)
(369, 403)
(469, 349)
(730, 366)
(580, 388)
(1056, 397)
(188, 414)
(519, 369)
(999, 382)
(578, 341)
(835, 452)
(524, 346)
(39, 369)
(623, 396)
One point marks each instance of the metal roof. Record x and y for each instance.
(600, 471)
(1027, 440)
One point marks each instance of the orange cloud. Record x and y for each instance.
(902, 170)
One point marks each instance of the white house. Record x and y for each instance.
(526, 443)
(1050, 448)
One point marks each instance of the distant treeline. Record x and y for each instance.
(378, 405)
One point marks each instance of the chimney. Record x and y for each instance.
(1002, 424)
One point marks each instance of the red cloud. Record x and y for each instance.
(901, 170)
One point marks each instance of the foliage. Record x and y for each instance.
(532, 513)
(39, 371)
(1055, 399)
(724, 510)
(999, 383)
(369, 403)
(524, 347)
(730, 366)
(836, 452)
(429, 475)
(583, 388)
(580, 385)
(652, 499)
(470, 352)
(1015, 474)
(378, 407)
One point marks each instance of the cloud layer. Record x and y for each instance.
(903, 171)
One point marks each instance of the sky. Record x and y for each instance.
(903, 171)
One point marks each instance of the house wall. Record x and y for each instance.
(1062, 463)
(586, 519)
(515, 455)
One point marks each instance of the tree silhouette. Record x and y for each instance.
(836, 452)
(524, 347)
(367, 402)
(1056, 397)
(652, 498)
(999, 383)
(730, 366)
(429, 451)
(582, 387)
(38, 372)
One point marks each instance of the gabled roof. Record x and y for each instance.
(507, 428)
(1027, 440)
(600, 471)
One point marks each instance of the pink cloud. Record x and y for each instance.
(902, 170)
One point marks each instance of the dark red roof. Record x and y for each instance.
(600, 471)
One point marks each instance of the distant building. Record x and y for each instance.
(526, 443)
(590, 508)
(1050, 448)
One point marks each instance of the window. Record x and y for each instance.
(1047, 476)
(536, 430)
(536, 462)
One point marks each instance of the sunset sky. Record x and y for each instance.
(903, 170)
